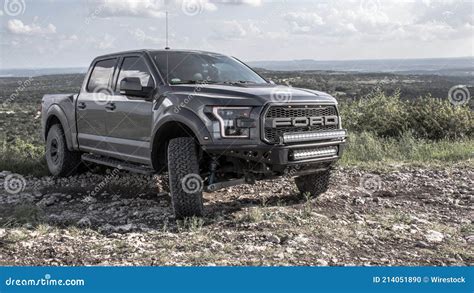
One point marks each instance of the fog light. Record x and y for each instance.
(314, 153)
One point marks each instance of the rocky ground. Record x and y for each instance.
(410, 216)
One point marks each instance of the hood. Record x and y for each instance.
(251, 94)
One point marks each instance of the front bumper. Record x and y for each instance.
(277, 156)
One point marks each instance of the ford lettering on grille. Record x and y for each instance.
(305, 121)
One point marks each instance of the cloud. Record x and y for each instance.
(387, 20)
(16, 26)
(127, 8)
(141, 36)
(240, 2)
(157, 8)
(228, 30)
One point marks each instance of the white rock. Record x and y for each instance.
(274, 239)
(470, 239)
(434, 236)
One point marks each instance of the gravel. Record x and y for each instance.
(416, 216)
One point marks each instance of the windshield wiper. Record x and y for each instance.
(200, 81)
(231, 82)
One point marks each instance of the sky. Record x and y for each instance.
(70, 33)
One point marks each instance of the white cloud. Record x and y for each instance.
(16, 26)
(157, 8)
(241, 2)
(228, 30)
(385, 20)
(130, 8)
(142, 36)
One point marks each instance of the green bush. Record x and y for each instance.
(367, 148)
(389, 116)
(23, 157)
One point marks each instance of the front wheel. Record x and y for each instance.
(313, 184)
(61, 161)
(185, 183)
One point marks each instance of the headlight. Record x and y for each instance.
(235, 122)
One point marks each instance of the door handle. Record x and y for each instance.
(81, 105)
(110, 107)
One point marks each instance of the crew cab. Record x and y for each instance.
(207, 120)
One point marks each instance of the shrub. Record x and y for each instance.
(367, 148)
(23, 157)
(389, 116)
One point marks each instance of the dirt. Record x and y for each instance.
(409, 216)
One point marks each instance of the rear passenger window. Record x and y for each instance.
(135, 67)
(101, 75)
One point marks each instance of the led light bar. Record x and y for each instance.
(314, 153)
(311, 136)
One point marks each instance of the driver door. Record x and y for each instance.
(129, 119)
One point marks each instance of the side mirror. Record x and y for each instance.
(272, 82)
(131, 86)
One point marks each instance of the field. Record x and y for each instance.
(402, 194)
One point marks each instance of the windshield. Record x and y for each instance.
(192, 67)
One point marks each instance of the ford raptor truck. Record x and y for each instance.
(207, 120)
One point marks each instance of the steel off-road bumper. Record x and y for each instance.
(305, 150)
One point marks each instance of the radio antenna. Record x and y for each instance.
(167, 44)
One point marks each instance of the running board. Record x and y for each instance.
(119, 164)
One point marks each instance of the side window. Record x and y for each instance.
(135, 67)
(101, 75)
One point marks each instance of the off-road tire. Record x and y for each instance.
(183, 164)
(313, 184)
(61, 161)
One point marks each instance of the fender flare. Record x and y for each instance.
(56, 111)
(187, 118)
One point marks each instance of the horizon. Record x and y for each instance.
(257, 61)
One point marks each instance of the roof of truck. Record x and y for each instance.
(154, 51)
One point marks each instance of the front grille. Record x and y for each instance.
(272, 135)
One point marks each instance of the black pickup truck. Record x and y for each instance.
(206, 119)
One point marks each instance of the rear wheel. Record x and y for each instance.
(313, 184)
(61, 161)
(185, 183)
